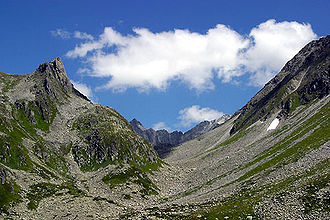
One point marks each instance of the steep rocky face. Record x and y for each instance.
(163, 141)
(51, 132)
(303, 79)
(50, 90)
(54, 78)
(155, 137)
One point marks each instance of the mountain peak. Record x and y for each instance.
(137, 125)
(55, 64)
(54, 78)
(163, 141)
(54, 70)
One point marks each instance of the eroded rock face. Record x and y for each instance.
(54, 72)
(102, 135)
(4, 177)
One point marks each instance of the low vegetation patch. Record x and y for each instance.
(13, 154)
(9, 81)
(132, 175)
(51, 158)
(312, 200)
(9, 194)
(41, 191)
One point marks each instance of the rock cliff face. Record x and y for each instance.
(163, 141)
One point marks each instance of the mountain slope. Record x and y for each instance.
(163, 141)
(51, 135)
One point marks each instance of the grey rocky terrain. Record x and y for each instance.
(67, 158)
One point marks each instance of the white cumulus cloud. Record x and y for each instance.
(147, 60)
(195, 114)
(83, 88)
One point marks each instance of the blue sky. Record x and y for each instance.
(167, 63)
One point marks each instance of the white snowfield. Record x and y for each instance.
(274, 124)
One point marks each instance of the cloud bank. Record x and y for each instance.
(148, 60)
(195, 114)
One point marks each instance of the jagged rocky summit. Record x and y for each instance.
(163, 141)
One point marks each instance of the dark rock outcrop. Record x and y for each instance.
(4, 177)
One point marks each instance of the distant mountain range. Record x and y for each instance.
(163, 141)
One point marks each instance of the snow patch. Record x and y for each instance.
(274, 124)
